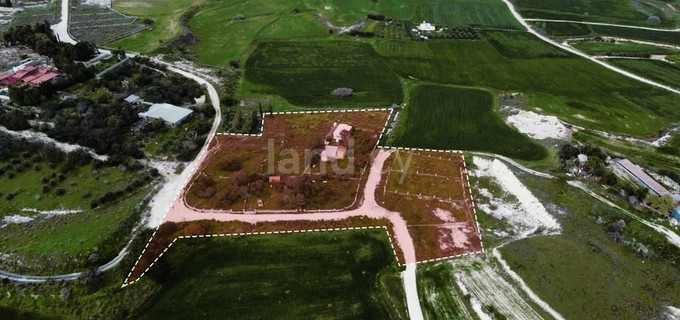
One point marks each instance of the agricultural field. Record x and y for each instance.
(235, 176)
(580, 272)
(50, 13)
(574, 89)
(446, 118)
(100, 25)
(633, 12)
(305, 74)
(441, 298)
(340, 275)
(672, 147)
(567, 29)
(478, 13)
(430, 191)
(661, 71)
(601, 48)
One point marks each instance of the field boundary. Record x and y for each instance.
(264, 116)
(389, 237)
(470, 196)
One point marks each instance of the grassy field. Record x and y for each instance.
(439, 296)
(576, 90)
(166, 16)
(661, 71)
(483, 13)
(441, 117)
(305, 73)
(585, 275)
(339, 275)
(599, 48)
(559, 29)
(610, 11)
(223, 37)
(672, 147)
(64, 238)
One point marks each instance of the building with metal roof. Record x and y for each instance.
(641, 178)
(170, 114)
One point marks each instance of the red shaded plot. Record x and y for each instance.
(283, 169)
(431, 192)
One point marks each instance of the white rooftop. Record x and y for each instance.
(167, 112)
(337, 132)
(426, 26)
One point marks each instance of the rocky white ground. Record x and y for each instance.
(526, 215)
(14, 219)
(43, 138)
(487, 287)
(538, 126)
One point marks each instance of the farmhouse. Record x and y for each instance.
(341, 131)
(426, 26)
(641, 178)
(170, 114)
(29, 74)
(330, 153)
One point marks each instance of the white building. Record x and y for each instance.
(170, 114)
(426, 26)
(339, 129)
(330, 153)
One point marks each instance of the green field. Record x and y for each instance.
(447, 118)
(672, 147)
(559, 29)
(455, 13)
(166, 16)
(610, 11)
(338, 275)
(582, 273)
(660, 71)
(67, 238)
(600, 48)
(223, 37)
(305, 74)
(439, 295)
(576, 90)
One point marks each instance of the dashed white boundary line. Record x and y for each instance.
(264, 116)
(472, 199)
(389, 236)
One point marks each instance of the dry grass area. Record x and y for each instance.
(236, 172)
(169, 231)
(430, 191)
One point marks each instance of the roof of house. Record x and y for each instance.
(34, 75)
(167, 112)
(45, 77)
(337, 132)
(637, 172)
(329, 152)
(582, 157)
(132, 98)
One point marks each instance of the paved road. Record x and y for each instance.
(583, 55)
(606, 24)
(61, 29)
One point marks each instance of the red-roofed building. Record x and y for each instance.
(46, 77)
(641, 178)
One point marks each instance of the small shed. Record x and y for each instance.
(675, 213)
(274, 179)
(582, 159)
(133, 99)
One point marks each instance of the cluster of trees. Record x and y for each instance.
(41, 39)
(628, 54)
(363, 34)
(64, 55)
(142, 78)
(462, 33)
(378, 17)
(14, 120)
(103, 127)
